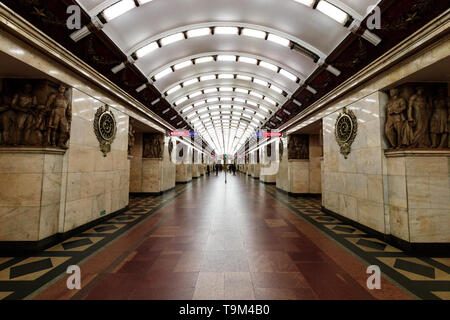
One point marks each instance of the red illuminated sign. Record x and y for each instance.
(272, 134)
(180, 133)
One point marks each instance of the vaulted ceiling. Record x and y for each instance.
(227, 68)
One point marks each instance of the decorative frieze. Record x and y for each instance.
(34, 112)
(153, 146)
(417, 116)
(298, 147)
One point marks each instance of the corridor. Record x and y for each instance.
(210, 240)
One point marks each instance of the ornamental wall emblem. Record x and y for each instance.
(281, 149)
(170, 149)
(346, 130)
(105, 128)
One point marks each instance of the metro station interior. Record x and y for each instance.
(225, 149)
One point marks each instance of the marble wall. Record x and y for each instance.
(419, 195)
(151, 175)
(298, 176)
(136, 164)
(30, 193)
(353, 187)
(96, 185)
(269, 165)
(45, 192)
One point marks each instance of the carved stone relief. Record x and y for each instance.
(417, 116)
(298, 147)
(153, 146)
(34, 113)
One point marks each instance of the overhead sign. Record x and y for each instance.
(262, 134)
(182, 133)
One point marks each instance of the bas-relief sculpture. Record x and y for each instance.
(417, 117)
(34, 113)
(153, 146)
(298, 147)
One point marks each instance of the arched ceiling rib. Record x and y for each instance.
(293, 36)
(268, 68)
(233, 78)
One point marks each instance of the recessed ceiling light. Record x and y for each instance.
(198, 32)
(226, 76)
(248, 60)
(207, 78)
(245, 78)
(226, 30)
(147, 49)
(196, 94)
(332, 11)
(183, 65)
(171, 39)
(210, 90)
(226, 58)
(288, 75)
(118, 9)
(269, 100)
(204, 60)
(199, 103)
(174, 89)
(190, 82)
(180, 101)
(256, 94)
(279, 40)
(261, 82)
(187, 109)
(268, 66)
(308, 3)
(240, 90)
(253, 33)
(276, 89)
(163, 73)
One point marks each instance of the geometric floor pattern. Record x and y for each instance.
(426, 277)
(20, 276)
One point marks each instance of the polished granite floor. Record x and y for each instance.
(211, 240)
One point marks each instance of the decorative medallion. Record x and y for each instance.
(346, 130)
(281, 149)
(170, 149)
(105, 128)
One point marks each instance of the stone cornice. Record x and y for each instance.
(439, 27)
(15, 24)
(417, 153)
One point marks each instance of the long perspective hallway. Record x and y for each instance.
(210, 240)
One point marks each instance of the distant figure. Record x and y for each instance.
(233, 167)
(207, 170)
(217, 169)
